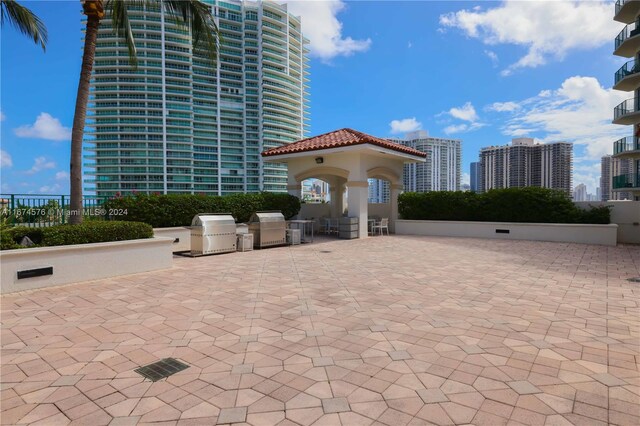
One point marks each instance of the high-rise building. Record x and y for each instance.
(441, 171)
(610, 167)
(626, 180)
(580, 193)
(181, 123)
(475, 176)
(379, 191)
(525, 163)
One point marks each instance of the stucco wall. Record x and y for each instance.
(625, 214)
(83, 262)
(182, 233)
(569, 233)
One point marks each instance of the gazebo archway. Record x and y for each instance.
(346, 159)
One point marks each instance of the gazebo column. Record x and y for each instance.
(337, 196)
(394, 191)
(294, 189)
(357, 204)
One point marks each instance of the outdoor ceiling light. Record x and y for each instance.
(319, 160)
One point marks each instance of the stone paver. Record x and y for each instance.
(388, 330)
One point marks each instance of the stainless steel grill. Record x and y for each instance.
(268, 229)
(212, 233)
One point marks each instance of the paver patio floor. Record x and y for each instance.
(388, 330)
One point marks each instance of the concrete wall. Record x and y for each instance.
(315, 210)
(568, 233)
(182, 233)
(625, 214)
(380, 209)
(83, 262)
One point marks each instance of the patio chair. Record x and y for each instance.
(331, 226)
(383, 224)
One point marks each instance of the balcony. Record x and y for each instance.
(627, 112)
(627, 43)
(628, 147)
(628, 182)
(626, 11)
(627, 78)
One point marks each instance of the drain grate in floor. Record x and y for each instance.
(634, 279)
(161, 369)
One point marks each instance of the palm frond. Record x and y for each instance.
(24, 20)
(117, 10)
(197, 17)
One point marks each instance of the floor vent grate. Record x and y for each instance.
(161, 369)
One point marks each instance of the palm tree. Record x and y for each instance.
(193, 14)
(24, 20)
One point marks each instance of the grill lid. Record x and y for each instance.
(220, 218)
(263, 217)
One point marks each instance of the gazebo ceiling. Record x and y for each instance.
(338, 139)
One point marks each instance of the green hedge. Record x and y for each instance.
(162, 211)
(531, 205)
(87, 232)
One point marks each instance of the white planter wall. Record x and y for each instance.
(625, 214)
(181, 233)
(83, 262)
(559, 232)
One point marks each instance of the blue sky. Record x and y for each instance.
(483, 72)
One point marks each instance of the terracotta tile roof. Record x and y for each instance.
(337, 139)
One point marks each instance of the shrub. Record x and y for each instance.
(531, 205)
(87, 232)
(162, 211)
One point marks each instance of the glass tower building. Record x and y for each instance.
(181, 123)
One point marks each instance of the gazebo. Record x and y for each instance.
(345, 159)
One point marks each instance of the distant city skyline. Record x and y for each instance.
(551, 83)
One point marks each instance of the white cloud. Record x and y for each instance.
(45, 127)
(5, 159)
(493, 56)
(466, 112)
(40, 164)
(579, 111)
(323, 29)
(62, 175)
(503, 106)
(409, 45)
(466, 178)
(49, 188)
(2, 116)
(455, 128)
(547, 29)
(405, 125)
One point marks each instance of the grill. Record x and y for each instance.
(268, 229)
(212, 233)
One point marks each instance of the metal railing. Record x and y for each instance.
(38, 210)
(628, 180)
(626, 70)
(630, 143)
(626, 33)
(626, 107)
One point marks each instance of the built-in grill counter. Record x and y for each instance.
(268, 228)
(212, 233)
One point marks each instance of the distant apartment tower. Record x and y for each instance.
(378, 191)
(580, 193)
(625, 181)
(183, 124)
(525, 163)
(475, 176)
(610, 167)
(441, 171)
